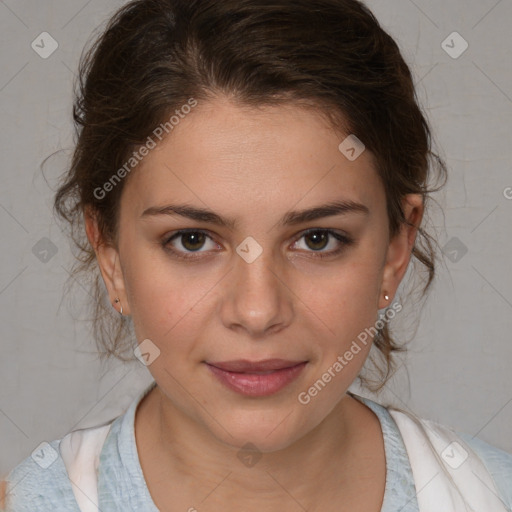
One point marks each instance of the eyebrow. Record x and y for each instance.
(289, 219)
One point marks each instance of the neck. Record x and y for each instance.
(328, 457)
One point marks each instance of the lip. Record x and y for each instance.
(256, 378)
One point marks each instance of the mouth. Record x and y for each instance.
(256, 378)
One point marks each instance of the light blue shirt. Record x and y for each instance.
(121, 484)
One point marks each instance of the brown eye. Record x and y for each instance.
(318, 239)
(193, 241)
(185, 242)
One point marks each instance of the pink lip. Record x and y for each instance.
(258, 378)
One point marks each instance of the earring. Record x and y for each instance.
(117, 301)
(386, 296)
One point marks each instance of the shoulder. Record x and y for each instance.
(497, 461)
(40, 482)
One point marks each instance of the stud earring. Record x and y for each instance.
(117, 301)
(386, 296)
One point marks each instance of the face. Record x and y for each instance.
(255, 279)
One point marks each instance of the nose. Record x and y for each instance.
(257, 298)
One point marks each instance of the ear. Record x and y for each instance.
(400, 248)
(108, 261)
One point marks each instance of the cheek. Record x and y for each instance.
(154, 294)
(347, 310)
(348, 299)
(165, 301)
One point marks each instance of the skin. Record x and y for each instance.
(254, 166)
(3, 490)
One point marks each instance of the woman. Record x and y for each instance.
(252, 177)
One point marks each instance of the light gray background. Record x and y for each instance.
(458, 365)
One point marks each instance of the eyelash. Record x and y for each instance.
(344, 239)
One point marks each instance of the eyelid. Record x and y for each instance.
(338, 232)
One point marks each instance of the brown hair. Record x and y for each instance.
(154, 55)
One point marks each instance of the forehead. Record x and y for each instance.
(223, 152)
